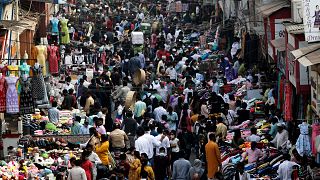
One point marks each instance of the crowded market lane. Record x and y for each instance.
(146, 90)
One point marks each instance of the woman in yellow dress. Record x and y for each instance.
(133, 175)
(145, 172)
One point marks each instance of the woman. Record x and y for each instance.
(103, 150)
(87, 165)
(185, 118)
(145, 171)
(196, 171)
(133, 175)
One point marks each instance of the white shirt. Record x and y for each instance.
(165, 143)
(175, 143)
(285, 169)
(70, 86)
(281, 139)
(146, 143)
(186, 92)
(163, 92)
(158, 112)
(253, 137)
(172, 73)
(77, 173)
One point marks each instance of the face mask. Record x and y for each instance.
(162, 154)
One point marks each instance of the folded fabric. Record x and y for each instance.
(264, 165)
(249, 167)
(277, 159)
(263, 171)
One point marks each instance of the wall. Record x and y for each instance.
(270, 26)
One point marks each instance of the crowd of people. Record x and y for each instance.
(180, 121)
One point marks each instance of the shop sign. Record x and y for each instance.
(279, 28)
(311, 20)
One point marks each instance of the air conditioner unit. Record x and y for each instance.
(297, 11)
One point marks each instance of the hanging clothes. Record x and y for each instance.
(303, 142)
(12, 103)
(4, 70)
(41, 58)
(14, 69)
(37, 83)
(2, 94)
(65, 39)
(26, 99)
(315, 133)
(54, 24)
(53, 59)
(25, 69)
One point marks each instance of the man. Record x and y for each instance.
(285, 168)
(253, 137)
(118, 138)
(76, 171)
(163, 92)
(213, 156)
(181, 167)
(85, 128)
(165, 143)
(221, 130)
(215, 86)
(53, 113)
(146, 143)
(68, 84)
(68, 101)
(81, 88)
(140, 108)
(161, 164)
(94, 158)
(122, 92)
(130, 128)
(85, 83)
(172, 73)
(280, 141)
(75, 129)
(159, 111)
(186, 92)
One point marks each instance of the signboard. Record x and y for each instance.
(311, 20)
(279, 28)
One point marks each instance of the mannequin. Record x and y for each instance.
(41, 58)
(25, 69)
(53, 59)
(12, 103)
(303, 142)
(65, 39)
(26, 98)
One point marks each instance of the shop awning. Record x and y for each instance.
(308, 56)
(270, 8)
(279, 44)
(294, 28)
